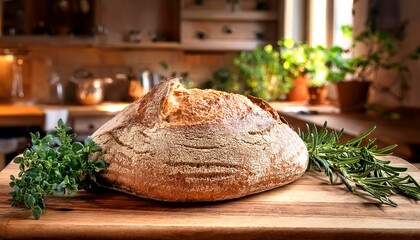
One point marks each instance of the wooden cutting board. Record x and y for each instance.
(308, 208)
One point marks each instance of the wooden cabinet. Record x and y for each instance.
(228, 24)
(41, 17)
(228, 30)
(181, 24)
(211, 5)
(154, 21)
(110, 24)
(87, 125)
(87, 119)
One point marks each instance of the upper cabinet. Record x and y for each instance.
(98, 23)
(173, 24)
(228, 24)
(248, 10)
(48, 22)
(48, 17)
(135, 23)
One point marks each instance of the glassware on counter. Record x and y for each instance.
(17, 93)
(13, 60)
(55, 85)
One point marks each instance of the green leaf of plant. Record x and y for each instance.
(52, 164)
(77, 146)
(96, 148)
(347, 31)
(61, 123)
(37, 212)
(27, 153)
(88, 141)
(100, 164)
(18, 160)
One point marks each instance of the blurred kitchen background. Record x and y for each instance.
(85, 60)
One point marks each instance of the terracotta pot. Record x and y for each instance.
(353, 95)
(299, 91)
(318, 95)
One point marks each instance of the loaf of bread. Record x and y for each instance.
(175, 144)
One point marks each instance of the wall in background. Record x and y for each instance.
(108, 62)
(408, 10)
(106, 53)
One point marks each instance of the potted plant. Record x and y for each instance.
(260, 73)
(224, 80)
(293, 63)
(307, 67)
(270, 73)
(381, 54)
(317, 72)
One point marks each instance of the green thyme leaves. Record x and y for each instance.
(53, 164)
(356, 165)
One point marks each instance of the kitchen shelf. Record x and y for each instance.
(235, 16)
(221, 45)
(142, 45)
(48, 40)
(198, 45)
(191, 45)
(70, 41)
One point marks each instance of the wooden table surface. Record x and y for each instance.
(308, 208)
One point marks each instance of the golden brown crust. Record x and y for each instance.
(265, 106)
(198, 145)
(195, 106)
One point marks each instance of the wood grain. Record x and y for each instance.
(308, 208)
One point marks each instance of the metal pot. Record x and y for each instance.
(90, 91)
(139, 87)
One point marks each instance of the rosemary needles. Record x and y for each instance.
(355, 163)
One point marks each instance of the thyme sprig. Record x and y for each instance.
(356, 165)
(53, 164)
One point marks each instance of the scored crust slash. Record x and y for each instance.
(177, 144)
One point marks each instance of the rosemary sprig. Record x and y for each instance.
(356, 164)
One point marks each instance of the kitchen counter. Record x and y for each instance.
(28, 115)
(307, 208)
(104, 109)
(21, 116)
(404, 131)
(34, 115)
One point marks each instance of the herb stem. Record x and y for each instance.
(356, 165)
